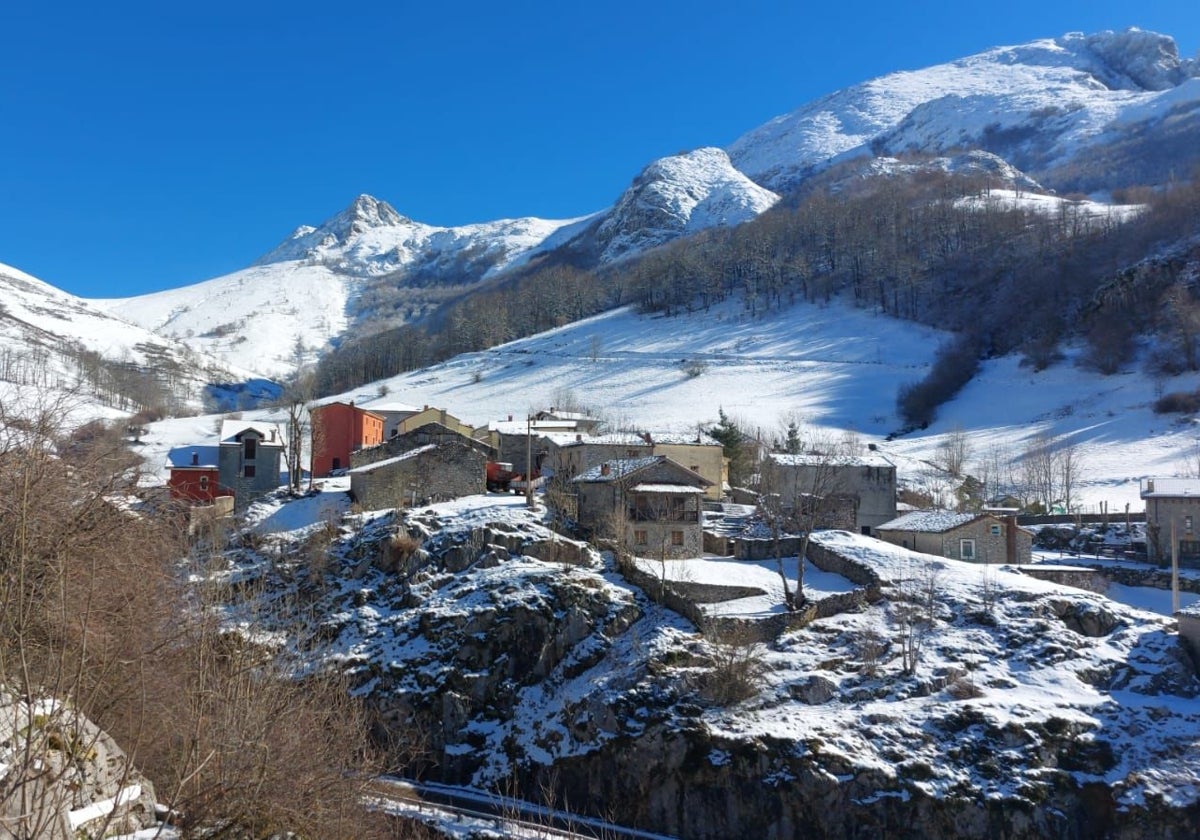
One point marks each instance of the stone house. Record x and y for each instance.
(652, 503)
(699, 452)
(339, 429)
(445, 468)
(973, 537)
(418, 437)
(248, 459)
(869, 480)
(1172, 512)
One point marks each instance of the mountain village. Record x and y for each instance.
(843, 482)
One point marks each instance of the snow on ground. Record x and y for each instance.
(1071, 211)
(257, 315)
(762, 575)
(1025, 667)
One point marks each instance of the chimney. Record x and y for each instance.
(605, 469)
(646, 437)
(579, 438)
(510, 418)
(1010, 539)
(195, 459)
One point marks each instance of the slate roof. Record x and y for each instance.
(271, 435)
(618, 468)
(207, 457)
(929, 521)
(1170, 487)
(871, 459)
(375, 465)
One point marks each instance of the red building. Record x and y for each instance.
(194, 474)
(339, 429)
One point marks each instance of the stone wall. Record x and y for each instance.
(830, 561)
(1088, 579)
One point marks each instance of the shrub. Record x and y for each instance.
(1178, 402)
(953, 367)
(737, 670)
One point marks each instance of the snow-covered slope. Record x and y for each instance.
(835, 368)
(266, 318)
(47, 338)
(679, 195)
(1037, 104)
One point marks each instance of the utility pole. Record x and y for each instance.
(1174, 571)
(529, 460)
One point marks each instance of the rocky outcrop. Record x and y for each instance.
(63, 777)
(683, 781)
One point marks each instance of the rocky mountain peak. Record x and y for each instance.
(680, 194)
(1135, 59)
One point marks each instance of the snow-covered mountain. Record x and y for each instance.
(366, 263)
(369, 238)
(679, 195)
(1038, 105)
(1077, 113)
(54, 341)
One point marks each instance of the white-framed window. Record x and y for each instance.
(203, 482)
(966, 549)
(996, 529)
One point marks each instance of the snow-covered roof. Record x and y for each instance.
(207, 457)
(1191, 610)
(684, 438)
(231, 429)
(928, 521)
(611, 439)
(393, 408)
(666, 488)
(412, 453)
(539, 427)
(1157, 488)
(618, 468)
(353, 405)
(817, 459)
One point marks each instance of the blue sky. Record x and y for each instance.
(151, 145)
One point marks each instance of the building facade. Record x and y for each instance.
(971, 537)
(248, 460)
(338, 430)
(1172, 513)
(652, 504)
(802, 480)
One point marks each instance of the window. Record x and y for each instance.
(995, 530)
(640, 538)
(204, 482)
(248, 471)
(1187, 524)
(966, 549)
(677, 538)
(250, 448)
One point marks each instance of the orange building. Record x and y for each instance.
(339, 429)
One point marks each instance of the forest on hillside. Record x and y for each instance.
(935, 248)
